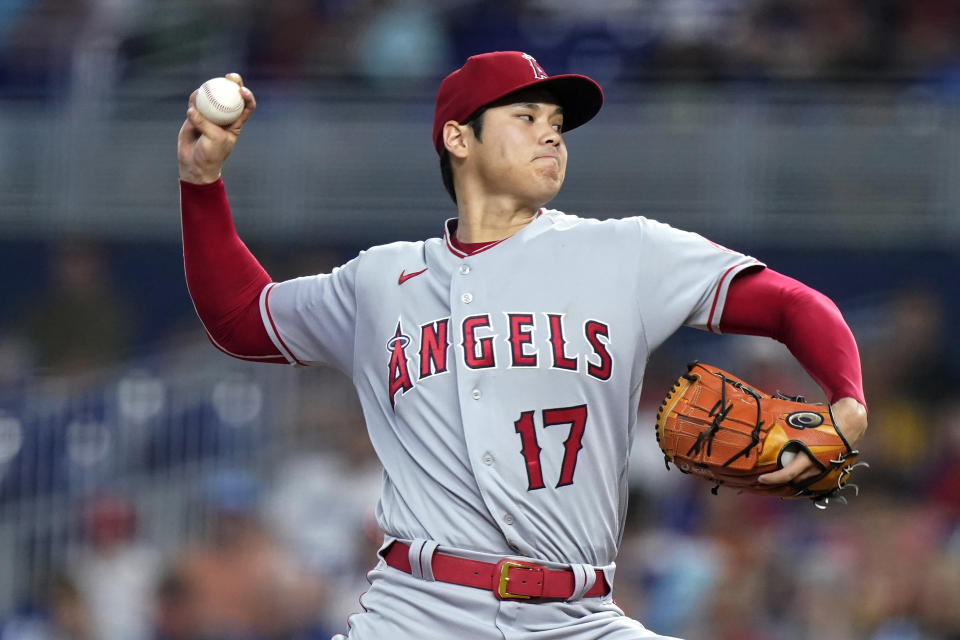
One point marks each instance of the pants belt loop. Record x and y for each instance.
(584, 577)
(426, 559)
(421, 556)
(609, 572)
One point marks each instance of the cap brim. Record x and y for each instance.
(580, 97)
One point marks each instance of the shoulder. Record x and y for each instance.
(631, 226)
(630, 233)
(395, 255)
(392, 252)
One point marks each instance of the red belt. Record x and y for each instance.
(508, 579)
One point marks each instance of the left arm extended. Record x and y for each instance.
(766, 303)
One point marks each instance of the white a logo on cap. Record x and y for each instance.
(538, 71)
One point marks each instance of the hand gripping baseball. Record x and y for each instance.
(716, 426)
(202, 146)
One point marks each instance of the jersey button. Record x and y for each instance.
(476, 394)
(508, 519)
(467, 298)
(487, 459)
(464, 269)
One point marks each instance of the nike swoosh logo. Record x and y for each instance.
(404, 276)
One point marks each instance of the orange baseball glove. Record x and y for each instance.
(718, 427)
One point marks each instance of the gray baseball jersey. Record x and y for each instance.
(500, 389)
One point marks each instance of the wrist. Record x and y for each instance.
(199, 178)
(850, 417)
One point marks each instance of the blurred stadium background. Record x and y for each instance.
(150, 487)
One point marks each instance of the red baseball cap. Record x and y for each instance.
(487, 77)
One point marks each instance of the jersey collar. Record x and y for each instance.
(450, 229)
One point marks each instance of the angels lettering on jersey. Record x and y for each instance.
(535, 340)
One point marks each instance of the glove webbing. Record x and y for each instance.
(721, 415)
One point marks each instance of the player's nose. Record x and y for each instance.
(550, 136)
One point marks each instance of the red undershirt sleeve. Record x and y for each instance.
(224, 279)
(766, 303)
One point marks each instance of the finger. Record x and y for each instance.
(796, 469)
(248, 98)
(203, 125)
(235, 77)
(192, 100)
(250, 105)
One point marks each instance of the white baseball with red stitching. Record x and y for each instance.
(219, 101)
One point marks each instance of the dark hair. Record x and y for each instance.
(475, 122)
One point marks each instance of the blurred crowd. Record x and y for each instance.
(100, 44)
(240, 580)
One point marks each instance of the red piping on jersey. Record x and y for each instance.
(273, 325)
(274, 359)
(716, 295)
(360, 599)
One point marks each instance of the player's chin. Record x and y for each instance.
(539, 199)
(550, 171)
(547, 184)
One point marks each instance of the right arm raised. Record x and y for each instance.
(202, 146)
(224, 279)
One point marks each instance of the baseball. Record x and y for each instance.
(219, 101)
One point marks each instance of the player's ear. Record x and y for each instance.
(455, 138)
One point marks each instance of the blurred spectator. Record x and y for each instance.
(907, 579)
(36, 42)
(241, 583)
(402, 41)
(96, 60)
(665, 576)
(324, 497)
(942, 476)
(289, 38)
(15, 357)
(102, 43)
(62, 616)
(79, 322)
(908, 377)
(928, 35)
(115, 571)
(70, 618)
(175, 611)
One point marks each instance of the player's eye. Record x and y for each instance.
(558, 127)
(525, 116)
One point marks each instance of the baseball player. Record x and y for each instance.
(500, 364)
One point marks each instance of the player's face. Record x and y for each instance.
(521, 152)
